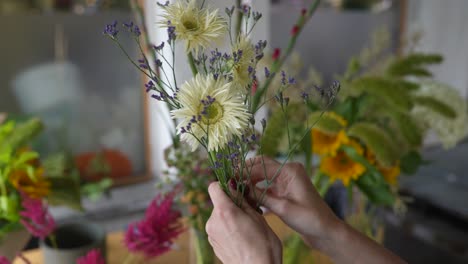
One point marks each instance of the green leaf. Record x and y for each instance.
(9, 208)
(413, 65)
(65, 191)
(21, 134)
(7, 228)
(410, 162)
(372, 182)
(436, 106)
(378, 193)
(325, 123)
(352, 108)
(56, 165)
(394, 93)
(378, 141)
(407, 127)
(94, 191)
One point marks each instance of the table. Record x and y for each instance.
(116, 251)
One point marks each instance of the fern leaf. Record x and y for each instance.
(436, 106)
(378, 141)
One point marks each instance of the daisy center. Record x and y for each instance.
(213, 113)
(190, 25)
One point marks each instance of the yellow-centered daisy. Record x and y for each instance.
(210, 112)
(199, 27)
(243, 67)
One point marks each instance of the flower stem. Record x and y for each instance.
(192, 63)
(53, 241)
(279, 63)
(239, 19)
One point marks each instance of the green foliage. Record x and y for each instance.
(94, 191)
(65, 191)
(295, 250)
(325, 123)
(410, 162)
(372, 182)
(436, 106)
(352, 109)
(378, 141)
(392, 92)
(413, 65)
(20, 135)
(9, 207)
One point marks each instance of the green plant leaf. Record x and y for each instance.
(9, 208)
(352, 108)
(22, 133)
(413, 65)
(394, 93)
(376, 193)
(436, 106)
(65, 191)
(410, 162)
(324, 123)
(377, 140)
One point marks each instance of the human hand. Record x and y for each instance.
(293, 198)
(240, 235)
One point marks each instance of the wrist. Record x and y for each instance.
(326, 233)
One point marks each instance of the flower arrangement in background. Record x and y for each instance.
(374, 131)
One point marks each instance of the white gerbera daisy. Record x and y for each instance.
(199, 27)
(210, 112)
(243, 68)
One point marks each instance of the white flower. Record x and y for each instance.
(210, 112)
(243, 68)
(199, 27)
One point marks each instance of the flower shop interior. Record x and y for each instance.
(102, 161)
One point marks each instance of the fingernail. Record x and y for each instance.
(233, 184)
(246, 190)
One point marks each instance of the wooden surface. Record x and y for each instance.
(116, 252)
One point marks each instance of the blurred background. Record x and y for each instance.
(56, 64)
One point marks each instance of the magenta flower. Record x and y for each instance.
(94, 256)
(4, 260)
(156, 232)
(36, 217)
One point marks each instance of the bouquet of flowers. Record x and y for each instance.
(217, 109)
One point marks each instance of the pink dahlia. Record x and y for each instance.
(93, 257)
(36, 217)
(156, 232)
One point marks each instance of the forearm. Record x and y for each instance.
(346, 245)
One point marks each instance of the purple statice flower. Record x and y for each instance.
(160, 47)
(171, 31)
(92, 257)
(156, 232)
(111, 30)
(283, 78)
(36, 217)
(4, 260)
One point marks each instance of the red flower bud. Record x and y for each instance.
(254, 87)
(295, 30)
(276, 54)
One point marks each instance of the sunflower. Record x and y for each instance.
(390, 174)
(342, 167)
(327, 144)
(35, 187)
(210, 113)
(242, 69)
(199, 27)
